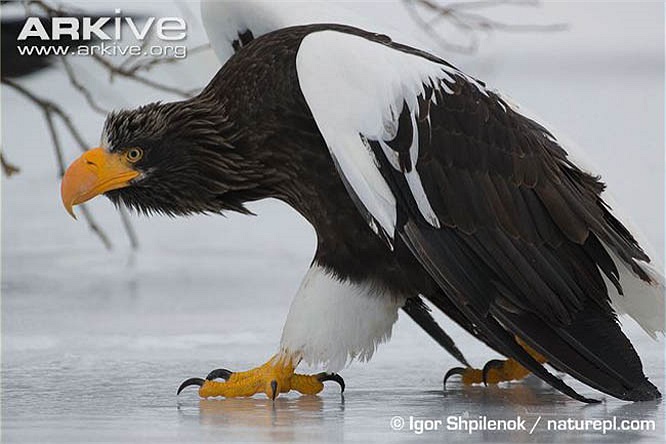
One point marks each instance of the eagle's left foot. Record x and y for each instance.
(274, 377)
(495, 371)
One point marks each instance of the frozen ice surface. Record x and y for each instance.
(94, 351)
(94, 344)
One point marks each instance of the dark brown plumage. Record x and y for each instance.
(525, 238)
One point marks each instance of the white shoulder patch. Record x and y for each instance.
(356, 90)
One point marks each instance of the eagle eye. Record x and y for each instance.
(134, 155)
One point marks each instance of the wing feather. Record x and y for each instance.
(485, 198)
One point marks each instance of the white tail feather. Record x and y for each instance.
(642, 301)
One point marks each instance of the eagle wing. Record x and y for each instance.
(516, 235)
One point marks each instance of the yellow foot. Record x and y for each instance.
(495, 371)
(274, 377)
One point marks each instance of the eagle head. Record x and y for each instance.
(175, 159)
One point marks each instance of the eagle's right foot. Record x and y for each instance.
(274, 377)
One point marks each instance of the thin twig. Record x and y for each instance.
(471, 21)
(114, 70)
(128, 61)
(477, 4)
(129, 68)
(61, 172)
(60, 157)
(94, 227)
(8, 168)
(81, 88)
(434, 33)
(117, 70)
(458, 15)
(50, 109)
(146, 65)
(129, 229)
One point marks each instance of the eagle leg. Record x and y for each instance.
(495, 371)
(272, 378)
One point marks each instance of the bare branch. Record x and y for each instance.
(434, 33)
(129, 229)
(146, 65)
(87, 215)
(8, 168)
(50, 109)
(53, 11)
(128, 61)
(478, 4)
(80, 87)
(470, 21)
(60, 158)
(459, 15)
(61, 172)
(130, 68)
(122, 72)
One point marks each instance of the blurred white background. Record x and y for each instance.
(94, 343)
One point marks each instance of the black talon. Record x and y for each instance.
(452, 372)
(219, 373)
(492, 364)
(188, 382)
(274, 388)
(332, 377)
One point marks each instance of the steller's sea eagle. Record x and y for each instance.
(418, 180)
(230, 25)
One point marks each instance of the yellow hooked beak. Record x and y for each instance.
(95, 172)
